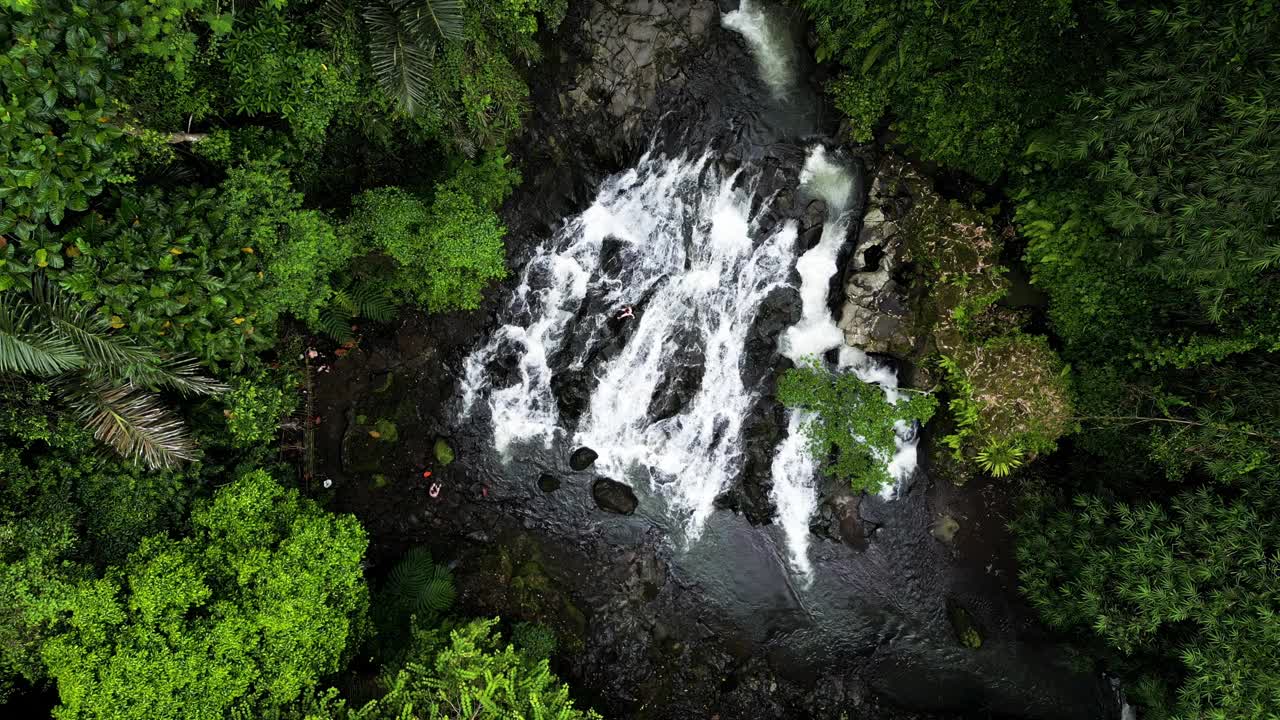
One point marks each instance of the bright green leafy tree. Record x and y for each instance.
(246, 613)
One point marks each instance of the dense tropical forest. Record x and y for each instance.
(197, 193)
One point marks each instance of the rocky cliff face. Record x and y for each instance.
(876, 315)
(636, 48)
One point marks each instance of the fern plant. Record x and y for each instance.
(108, 381)
(351, 303)
(419, 586)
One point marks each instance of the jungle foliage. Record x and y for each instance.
(1140, 146)
(192, 194)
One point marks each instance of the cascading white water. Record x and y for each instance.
(685, 252)
(691, 261)
(794, 467)
(769, 44)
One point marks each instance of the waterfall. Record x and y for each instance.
(676, 240)
(769, 43)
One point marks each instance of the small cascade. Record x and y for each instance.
(767, 37)
(794, 469)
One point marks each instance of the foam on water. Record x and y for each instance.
(692, 262)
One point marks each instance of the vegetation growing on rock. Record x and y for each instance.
(855, 419)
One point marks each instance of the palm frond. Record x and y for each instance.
(85, 331)
(181, 374)
(133, 421)
(336, 20)
(27, 349)
(107, 356)
(445, 16)
(401, 53)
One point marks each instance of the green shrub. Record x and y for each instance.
(472, 675)
(443, 255)
(301, 250)
(162, 268)
(244, 615)
(853, 417)
(256, 407)
(271, 73)
(535, 640)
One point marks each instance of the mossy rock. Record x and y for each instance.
(966, 628)
(531, 594)
(443, 452)
(945, 528)
(386, 431)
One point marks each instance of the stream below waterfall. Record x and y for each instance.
(651, 327)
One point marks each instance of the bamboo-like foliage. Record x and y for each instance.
(110, 382)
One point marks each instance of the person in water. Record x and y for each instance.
(626, 313)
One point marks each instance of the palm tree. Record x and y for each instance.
(110, 382)
(403, 36)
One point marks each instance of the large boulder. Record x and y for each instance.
(613, 496)
(636, 47)
(582, 458)
(877, 316)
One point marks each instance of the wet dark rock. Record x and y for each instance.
(614, 496)
(683, 377)
(612, 256)
(815, 215)
(572, 391)
(582, 458)
(762, 430)
(810, 237)
(779, 311)
(548, 482)
(504, 369)
(731, 500)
